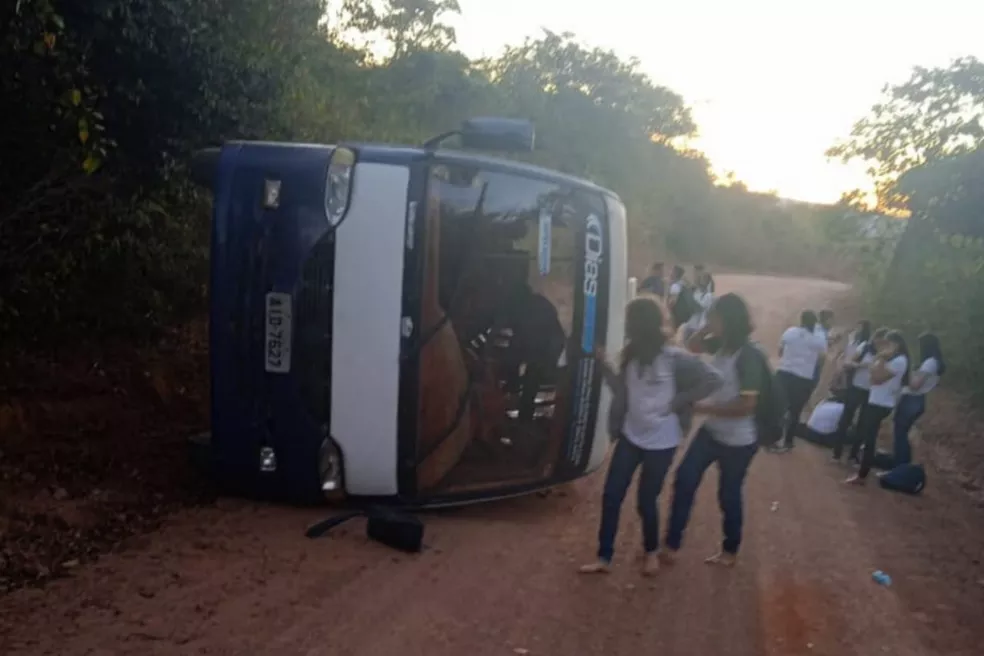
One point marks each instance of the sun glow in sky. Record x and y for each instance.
(772, 83)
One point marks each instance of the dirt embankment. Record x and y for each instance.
(239, 578)
(92, 449)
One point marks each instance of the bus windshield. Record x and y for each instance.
(505, 259)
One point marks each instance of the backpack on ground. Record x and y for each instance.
(908, 478)
(685, 305)
(392, 527)
(770, 410)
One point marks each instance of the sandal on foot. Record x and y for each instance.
(722, 558)
(599, 567)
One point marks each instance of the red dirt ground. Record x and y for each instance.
(239, 578)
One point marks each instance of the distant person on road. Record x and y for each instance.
(912, 405)
(856, 398)
(699, 271)
(799, 350)
(704, 298)
(654, 389)
(680, 298)
(824, 329)
(889, 376)
(655, 283)
(729, 435)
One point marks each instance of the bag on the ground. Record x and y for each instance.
(390, 527)
(685, 305)
(908, 478)
(770, 410)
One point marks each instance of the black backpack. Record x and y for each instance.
(771, 408)
(685, 306)
(910, 479)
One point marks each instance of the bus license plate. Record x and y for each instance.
(278, 332)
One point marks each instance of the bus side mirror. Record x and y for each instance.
(498, 134)
(204, 165)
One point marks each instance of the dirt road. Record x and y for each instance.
(240, 578)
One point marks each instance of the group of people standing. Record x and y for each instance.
(686, 300)
(658, 390)
(876, 378)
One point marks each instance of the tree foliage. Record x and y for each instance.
(925, 148)
(105, 100)
(935, 113)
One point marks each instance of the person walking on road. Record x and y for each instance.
(654, 389)
(800, 348)
(729, 435)
(912, 405)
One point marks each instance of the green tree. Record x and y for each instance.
(935, 113)
(407, 25)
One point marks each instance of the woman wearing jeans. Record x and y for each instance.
(856, 397)
(889, 375)
(729, 436)
(800, 350)
(912, 405)
(653, 391)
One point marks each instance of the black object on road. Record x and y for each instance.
(393, 528)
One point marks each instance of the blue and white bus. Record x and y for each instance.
(408, 324)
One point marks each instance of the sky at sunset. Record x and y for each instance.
(772, 83)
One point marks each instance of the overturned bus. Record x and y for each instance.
(408, 324)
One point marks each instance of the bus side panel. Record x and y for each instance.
(368, 303)
(617, 274)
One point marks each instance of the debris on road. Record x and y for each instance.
(881, 578)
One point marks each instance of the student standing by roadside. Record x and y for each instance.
(799, 350)
(729, 435)
(856, 397)
(824, 329)
(704, 298)
(699, 272)
(655, 283)
(889, 375)
(654, 389)
(680, 299)
(856, 341)
(912, 405)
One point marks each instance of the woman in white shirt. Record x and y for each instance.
(654, 391)
(704, 298)
(889, 375)
(912, 405)
(799, 350)
(856, 397)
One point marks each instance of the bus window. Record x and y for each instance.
(501, 270)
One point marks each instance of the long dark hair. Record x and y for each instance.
(929, 347)
(644, 331)
(863, 333)
(808, 320)
(736, 321)
(901, 348)
(869, 348)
